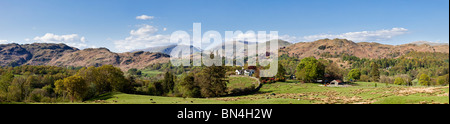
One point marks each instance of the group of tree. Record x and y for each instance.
(94, 81)
(31, 83)
(414, 68)
(289, 63)
(409, 69)
(310, 69)
(52, 84)
(200, 83)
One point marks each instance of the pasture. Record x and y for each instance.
(292, 92)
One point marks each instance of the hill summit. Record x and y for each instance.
(335, 47)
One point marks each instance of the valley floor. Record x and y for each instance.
(309, 93)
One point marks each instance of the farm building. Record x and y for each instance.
(336, 82)
(239, 72)
(246, 72)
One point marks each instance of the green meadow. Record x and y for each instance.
(292, 92)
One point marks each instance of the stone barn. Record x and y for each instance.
(336, 82)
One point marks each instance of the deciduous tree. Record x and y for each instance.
(424, 80)
(310, 69)
(354, 74)
(75, 86)
(374, 72)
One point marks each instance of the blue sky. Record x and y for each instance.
(111, 23)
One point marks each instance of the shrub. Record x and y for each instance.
(399, 81)
(424, 80)
(36, 95)
(442, 80)
(364, 78)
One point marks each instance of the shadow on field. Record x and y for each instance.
(105, 96)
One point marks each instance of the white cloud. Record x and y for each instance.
(289, 38)
(4, 42)
(71, 40)
(143, 31)
(143, 37)
(145, 17)
(253, 37)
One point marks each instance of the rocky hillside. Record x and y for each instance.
(32, 54)
(43, 52)
(328, 48)
(102, 56)
(63, 55)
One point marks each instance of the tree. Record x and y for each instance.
(168, 83)
(189, 87)
(5, 81)
(364, 78)
(281, 73)
(211, 81)
(113, 77)
(75, 86)
(334, 71)
(18, 90)
(399, 81)
(134, 71)
(310, 69)
(106, 78)
(424, 80)
(156, 88)
(374, 72)
(442, 80)
(354, 74)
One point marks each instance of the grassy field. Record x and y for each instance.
(150, 73)
(241, 82)
(309, 93)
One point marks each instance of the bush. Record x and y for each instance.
(188, 86)
(442, 80)
(424, 80)
(364, 78)
(387, 79)
(399, 81)
(155, 88)
(49, 91)
(37, 95)
(354, 74)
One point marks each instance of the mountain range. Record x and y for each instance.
(372, 50)
(63, 55)
(428, 43)
(243, 46)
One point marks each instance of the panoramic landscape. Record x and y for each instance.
(331, 73)
(361, 60)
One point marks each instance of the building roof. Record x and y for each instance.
(338, 81)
